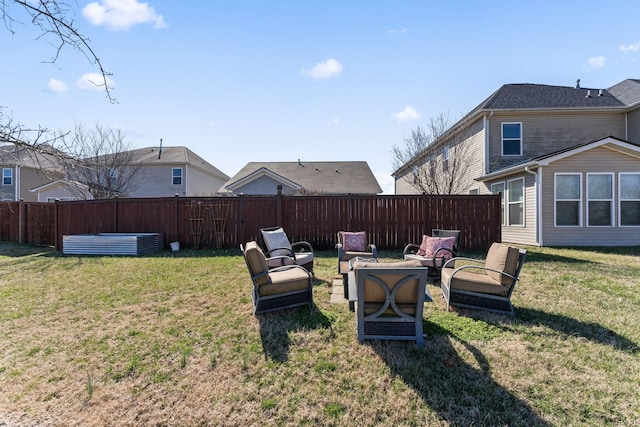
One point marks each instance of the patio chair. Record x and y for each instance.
(277, 244)
(276, 288)
(354, 244)
(434, 250)
(485, 285)
(390, 300)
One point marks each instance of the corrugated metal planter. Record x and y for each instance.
(112, 244)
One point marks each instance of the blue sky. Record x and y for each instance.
(241, 81)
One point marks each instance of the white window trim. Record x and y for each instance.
(611, 214)
(619, 220)
(555, 199)
(502, 139)
(503, 200)
(10, 176)
(508, 204)
(175, 176)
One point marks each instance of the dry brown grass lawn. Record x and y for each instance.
(170, 339)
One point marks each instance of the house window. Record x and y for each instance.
(176, 176)
(515, 199)
(7, 176)
(474, 191)
(568, 199)
(512, 139)
(629, 188)
(499, 189)
(445, 159)
(599, 199)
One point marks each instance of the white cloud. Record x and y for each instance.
(397, 31)
(635, 47)
(93, 81)
(56, 86)
(409, 113)
(122, 14)
(324, 70)
(334, 121)
(597, 61)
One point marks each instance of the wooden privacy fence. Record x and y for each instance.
(226, 222)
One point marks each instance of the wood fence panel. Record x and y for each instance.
(9, 221)
(39, 224)
(390, 221)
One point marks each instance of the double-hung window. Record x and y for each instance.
(599, 199)
(512, 139)
(629, 190)
(515, 201)
(445, 159)
(499, 189)
(176, 176)
(7, 176)
(568, 199)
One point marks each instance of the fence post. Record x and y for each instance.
(22, 221)
(55, 225)
(279, 206)
(115, 214)
(175, 221)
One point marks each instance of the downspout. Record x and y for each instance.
(485, 124)
(17, 184)
(538, 199)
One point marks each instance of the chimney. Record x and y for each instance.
(578, 84)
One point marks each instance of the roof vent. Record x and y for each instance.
(589, 94)
(578, 84)
(600, 92)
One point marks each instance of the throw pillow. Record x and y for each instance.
(276, 239)
(354, 241)
(422, 250)
(433, 244)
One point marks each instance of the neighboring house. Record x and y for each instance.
(296, 178)
(24, 168)
(565, 159)
(164, 171)
(168, 171)
(60, 190)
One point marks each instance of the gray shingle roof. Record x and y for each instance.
(536, 96)
(322, 177)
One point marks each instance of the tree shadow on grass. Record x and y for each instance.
(276, 328)
(461, 393)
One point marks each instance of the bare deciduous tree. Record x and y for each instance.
(54, 23)
(102, 165)
(433, 159)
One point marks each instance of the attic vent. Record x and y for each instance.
(578, 84)
(600, 92)
(588, 94)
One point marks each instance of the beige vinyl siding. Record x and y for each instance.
(201, 183)
(403, 184)
(475, 154)
(156, 182)
(599, 159)
(633, 126)
(547, 132)
(30, 178)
